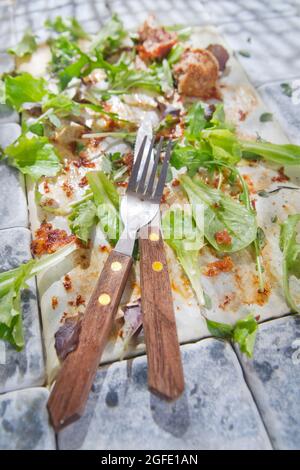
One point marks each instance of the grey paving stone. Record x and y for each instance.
(13, 204)
(7, 114)
(24, 423)
(134, 12)
(7, 63)
(273, 46)
(285, 108)
(274, 378)
(215, 412)
(25, 368)
(223, 11)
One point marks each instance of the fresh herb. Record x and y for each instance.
(286, 154)
(82, 219)
(26, 46)
(286, 89)
(266, 117)
(291, 257)
(33, 156)
(243, 332)
(175, 54)
(67, 25)
(183, 236)
(11, 285)
(110, 37)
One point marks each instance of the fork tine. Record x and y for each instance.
(149, 189)
(163, 174)
(132, 183)
(141, 184)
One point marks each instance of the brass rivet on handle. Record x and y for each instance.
(116, 266)
(157, 266)
(104, 299)
(153, 237)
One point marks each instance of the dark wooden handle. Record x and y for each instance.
(70, 392)
(165, 373)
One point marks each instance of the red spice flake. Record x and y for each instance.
(281, 178)
(122, 184)
(223, 238)
(250, 183)
(83, 161)
(224, 265)
(242, 115)
(46, 187)
(175, 183)
(83, 182)
(68, 189)
(67, 282)
(54, 302)
(226, 301)
(253, 203)
(48, 240)
(104, 249)
(257, 318)
(77, 302)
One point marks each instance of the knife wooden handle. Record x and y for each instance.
(70, 392)
(165, 373)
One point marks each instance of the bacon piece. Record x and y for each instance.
(223, 238)
(48, 240)
(224, 265)
(197, 72)
(220, 54)
(156, 42)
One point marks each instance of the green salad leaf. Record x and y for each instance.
(24, 88)
(184, 237)
(34, 156)
(26, 46)
(286, 154)
(11, 285)
(110, 37)
(243, 332)
(82, 219)
(291, 257)
(222, 213)
(67, 25)
(106, 199)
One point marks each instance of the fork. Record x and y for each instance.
(138, 207)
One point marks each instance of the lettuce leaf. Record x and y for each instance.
(243, 332)
(67, 25)
(82, 219)
(11, 285)
(222, 213)
(33, 156)
(24, 88)
(110, 37)
(291, 257)
(182, 235)
(26, 46)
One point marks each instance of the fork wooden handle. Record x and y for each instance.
(70, 393)
(165, 373)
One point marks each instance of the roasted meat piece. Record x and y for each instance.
(155, 41)
(197, 73)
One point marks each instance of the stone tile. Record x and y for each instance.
(286, 109)
(24, 423)
(7, 63)
(224, 11)
(25, 368)
(274, 378)
(134, 12)
(13, 206)
(6, 21)
(273, 46)
(215, 412)
(7, 114)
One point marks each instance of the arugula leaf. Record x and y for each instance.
(67, 25)
(164, 76)
(24, 88)
(286, 154)
(195, 122)
(110, 37)
(11, 284)
(175, 54)
(184, 237)
(190, 157)
(106, 199)
(222, 213)
(73, 70)
(291, 257)
(33, 156)
(224, 145)
(82, 219)
(183, 32)
(26, 46)
(243, 332)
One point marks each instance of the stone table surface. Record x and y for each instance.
(230, 402)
